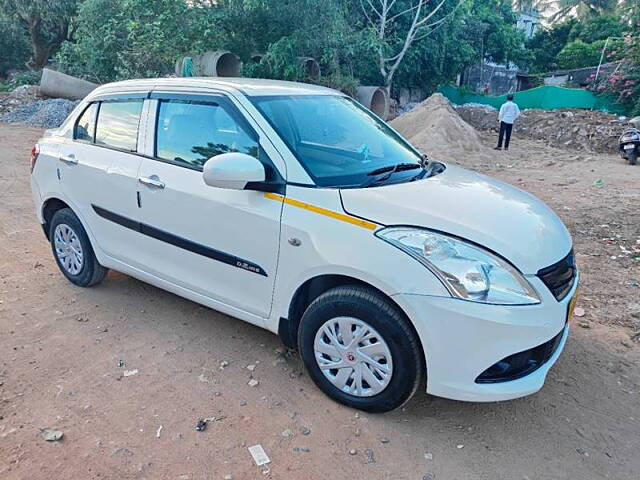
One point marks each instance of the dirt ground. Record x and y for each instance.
(60, 348)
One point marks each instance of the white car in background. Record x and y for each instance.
(293, 208)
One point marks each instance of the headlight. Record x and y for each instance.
(469, 272)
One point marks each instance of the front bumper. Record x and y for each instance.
(463, 339)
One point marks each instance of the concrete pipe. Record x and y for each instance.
(257, 57)
(58, 85)
(310, 66)
(375, 99)
(219, 64)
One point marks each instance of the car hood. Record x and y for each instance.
(491, 213)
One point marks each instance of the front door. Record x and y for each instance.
(220, 243)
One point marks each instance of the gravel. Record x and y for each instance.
(42, 113)
(18, 97)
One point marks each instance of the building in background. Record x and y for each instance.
(579, 77)
(529, 21)
(497, 79)
(491, 78)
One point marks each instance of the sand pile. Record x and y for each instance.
(574, 129)
(435, 127)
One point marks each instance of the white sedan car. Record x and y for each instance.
(294, 208)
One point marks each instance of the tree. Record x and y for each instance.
(119, 39)
(490, 27)
(600, 28)
(290, 29)
(47, 22)
(628, 10)
(582, 9)
(547, 43)
(14, 45)
(398, 24)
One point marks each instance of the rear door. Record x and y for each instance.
(220, 243)
(99, 172)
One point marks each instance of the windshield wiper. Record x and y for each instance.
(429, 169)
(398, 167)
(386, 172)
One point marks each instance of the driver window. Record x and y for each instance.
(190, 133)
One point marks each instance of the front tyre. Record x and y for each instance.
(360, 349)
(72, 250)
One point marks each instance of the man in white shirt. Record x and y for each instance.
(509, 111)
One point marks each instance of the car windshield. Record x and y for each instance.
(339, 143)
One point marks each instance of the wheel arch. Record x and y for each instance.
(49, 208)
(311, 289)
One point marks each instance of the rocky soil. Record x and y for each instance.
(26, 105)
(571, 129)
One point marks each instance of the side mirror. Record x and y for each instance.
(233, 171)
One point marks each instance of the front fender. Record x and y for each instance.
(319, 238)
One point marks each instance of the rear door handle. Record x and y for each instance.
(152, 181)
(69, 159)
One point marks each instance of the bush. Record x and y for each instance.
(28, 77)
(339, 81)
(578, 54)
(625, 82)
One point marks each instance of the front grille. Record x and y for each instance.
(560, 276)
(521, 364)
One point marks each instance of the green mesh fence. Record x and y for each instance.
(547, 97)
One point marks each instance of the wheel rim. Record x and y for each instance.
(353, 356)
(68, 249)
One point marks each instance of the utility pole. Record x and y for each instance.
(604, 48)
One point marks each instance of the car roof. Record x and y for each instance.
(248, 86)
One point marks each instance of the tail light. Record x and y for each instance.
(35, 151)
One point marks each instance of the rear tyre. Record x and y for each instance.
(72, 250)
(633, 157)
(360, 349)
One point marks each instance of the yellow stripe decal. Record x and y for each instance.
(322, 211)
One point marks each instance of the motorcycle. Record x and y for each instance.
(630, 145)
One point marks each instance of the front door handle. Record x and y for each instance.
(69, 159)
(152, 181)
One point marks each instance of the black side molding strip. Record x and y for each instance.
(180, 242)
(115, 218)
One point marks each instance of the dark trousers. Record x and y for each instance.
(505, 128)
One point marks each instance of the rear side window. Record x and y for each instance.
(86, 126)
(118, 124)
(191, 132)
